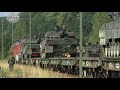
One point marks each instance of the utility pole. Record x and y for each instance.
(12, 33)
(12, 19)
(30, 33)
(12, 30)
(2, 35)
(80, 61)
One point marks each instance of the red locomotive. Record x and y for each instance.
(21, 50)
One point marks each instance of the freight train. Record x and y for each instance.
(101, 59)
(51, 52)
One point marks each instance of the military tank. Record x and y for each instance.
(54, 47)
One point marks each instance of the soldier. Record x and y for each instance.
(11, 61)
(57, 28)
(63, 32)
(39, 37)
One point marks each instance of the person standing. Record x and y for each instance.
(11, 62)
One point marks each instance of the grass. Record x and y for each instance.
(22, 71)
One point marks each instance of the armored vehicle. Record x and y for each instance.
(55, 46)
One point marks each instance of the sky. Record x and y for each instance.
(7, 13)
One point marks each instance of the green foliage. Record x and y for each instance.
(98, 19)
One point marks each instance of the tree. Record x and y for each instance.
(99, 19)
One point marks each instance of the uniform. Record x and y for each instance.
(11, 62)
(63, 32)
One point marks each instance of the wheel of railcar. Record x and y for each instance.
(75, 70)
(40, 65)
(93, 73)
(37, 63)
(53, 67)
(56, 68)
(33, 63)
(118, 74)
(100, 72)
(61, 69)
(101, 75)
(68, 70)
(89, 73)
(113, 74)
(43, 66)
(106, 73)
(48, 66)
(64, 70)
(24, 62)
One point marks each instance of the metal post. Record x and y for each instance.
(2, 35)
(12, 33)
(12, 19)
(30, 33)
(80, 61)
